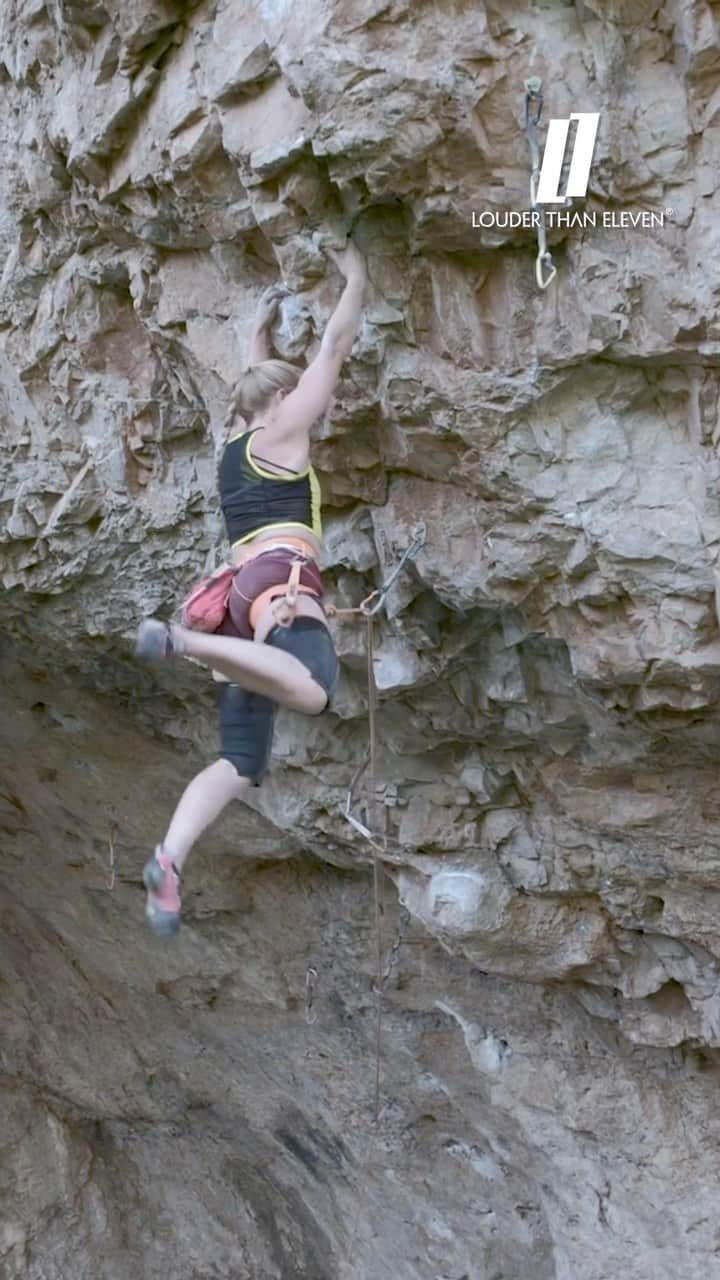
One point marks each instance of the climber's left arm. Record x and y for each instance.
(260, 347)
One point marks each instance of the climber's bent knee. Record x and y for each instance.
(239, 782)
(247, 721)
(309, 640)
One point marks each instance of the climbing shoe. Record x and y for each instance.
(154, 641)
(162, 882)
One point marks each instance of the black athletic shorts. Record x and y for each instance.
(309, 640)
(247, 720)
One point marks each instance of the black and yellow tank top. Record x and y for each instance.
(255, 500)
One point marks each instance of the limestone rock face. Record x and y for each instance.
(548, 666)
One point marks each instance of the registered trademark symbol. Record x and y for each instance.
(669, 212)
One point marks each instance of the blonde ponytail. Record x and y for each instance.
(257, 385)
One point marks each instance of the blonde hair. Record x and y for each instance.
(257, 385)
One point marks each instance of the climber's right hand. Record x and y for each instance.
(349, 261)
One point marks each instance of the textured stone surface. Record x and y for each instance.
(549, 669)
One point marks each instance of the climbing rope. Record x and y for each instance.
(376, 851)
(369, 608)
(533, 111)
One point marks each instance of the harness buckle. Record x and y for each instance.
(285, 609)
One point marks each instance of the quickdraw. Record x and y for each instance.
(373, 603)
(110, 882)
(404, 919)
(533, 111)
(310, 980)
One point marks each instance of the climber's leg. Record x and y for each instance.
(308, 641)
(246, 727)
(259, 668)
(202, 801)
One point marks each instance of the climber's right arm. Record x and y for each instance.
(311, 397)
(341, 329)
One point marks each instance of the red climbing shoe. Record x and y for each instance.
(154, 641)
(162, 882)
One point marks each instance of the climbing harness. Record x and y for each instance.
(285, 609)
(533, 111)
(204, 609)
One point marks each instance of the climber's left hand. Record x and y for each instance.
(268, 304)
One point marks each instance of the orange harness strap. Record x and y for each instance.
(286, 595)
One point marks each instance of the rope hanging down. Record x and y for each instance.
(368, 609)
(376, 852)
(533, 111)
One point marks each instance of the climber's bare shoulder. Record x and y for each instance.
(300, 408)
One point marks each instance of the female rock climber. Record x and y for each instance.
(271, 504)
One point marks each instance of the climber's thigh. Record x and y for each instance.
(308, 640)
(247, 721)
